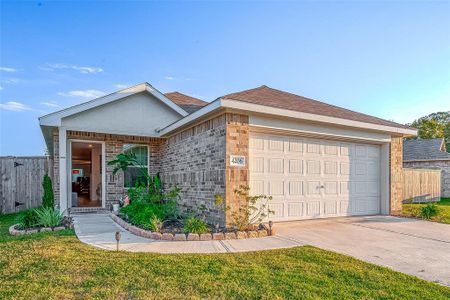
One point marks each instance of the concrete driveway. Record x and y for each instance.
(410, 246)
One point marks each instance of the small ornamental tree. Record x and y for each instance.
(48, 199)
(246, 210)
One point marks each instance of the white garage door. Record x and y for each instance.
(314, 178)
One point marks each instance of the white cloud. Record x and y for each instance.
(81, 69)
(177, 78)
(83, 94)
(87, 70)
(9, 70)
(11, 80)
(122, 86)
(50, 103)
(14, 106)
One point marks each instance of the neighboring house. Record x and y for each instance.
(429, 154)
(316, 160)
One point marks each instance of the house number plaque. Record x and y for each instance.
(237, 160)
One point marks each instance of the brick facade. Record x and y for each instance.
(197, 160)
(113, 146)
(237, 136)
(396, 175)
(194, 160)
(443, 165)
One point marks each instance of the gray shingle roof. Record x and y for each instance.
(265, 95)
(423, 150)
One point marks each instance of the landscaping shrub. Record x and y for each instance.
(247, 210)
(48, 217)
(156, 224)
(195, 225)
(48, 199)
(28, 219)
(428, 211)
(140, 213)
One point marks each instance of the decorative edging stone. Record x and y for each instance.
(18, 232)
(217, 236)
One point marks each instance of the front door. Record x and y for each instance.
(86, 178)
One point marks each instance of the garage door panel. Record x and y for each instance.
(276, 144)
(313, 209)
(330, 207)
(295, 209)
(313, 147)
(256, 164)
(345, 168)
(278, 209)
(295, 166)
(276, 188)
(295, 145)
(331, 188)
(295, 188)
(345, 187)
(276, 165)
(330, 168)
(312, 167)
(331, 149)
(257, 187)
(256, 143)
(313, 188)
(313, 178)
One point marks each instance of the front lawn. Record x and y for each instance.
(57, 266)
(443, 216)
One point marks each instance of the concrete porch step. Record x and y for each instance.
(88, 210)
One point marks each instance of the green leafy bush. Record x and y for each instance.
(195, 225)
(428, 211)
(28, 219)
(48, 217)
(48, 199)
(140, 213)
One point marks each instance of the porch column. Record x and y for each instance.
(63, 190)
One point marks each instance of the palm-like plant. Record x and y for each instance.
(125, 160)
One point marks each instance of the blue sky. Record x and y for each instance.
(388, 59)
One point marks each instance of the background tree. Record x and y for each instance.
(435, 125)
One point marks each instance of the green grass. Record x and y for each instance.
(57, 266)
(413, 210)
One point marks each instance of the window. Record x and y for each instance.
(132, 174)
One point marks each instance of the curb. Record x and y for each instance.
(189, 236)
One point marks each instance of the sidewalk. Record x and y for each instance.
(99, 230)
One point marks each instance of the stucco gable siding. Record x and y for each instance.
(140, 114)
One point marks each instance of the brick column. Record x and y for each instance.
(237, 142)
(396, 175)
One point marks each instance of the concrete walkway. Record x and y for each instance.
(410, 246)
(99, 230)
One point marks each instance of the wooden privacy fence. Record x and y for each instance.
(21, 182)
(421, 185)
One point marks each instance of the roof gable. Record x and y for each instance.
(267, 96)
(54, 119)
(140, 114)
(424, 150)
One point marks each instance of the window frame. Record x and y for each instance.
(148, 159)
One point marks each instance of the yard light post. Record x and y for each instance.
(270, 227)
(118, 236)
